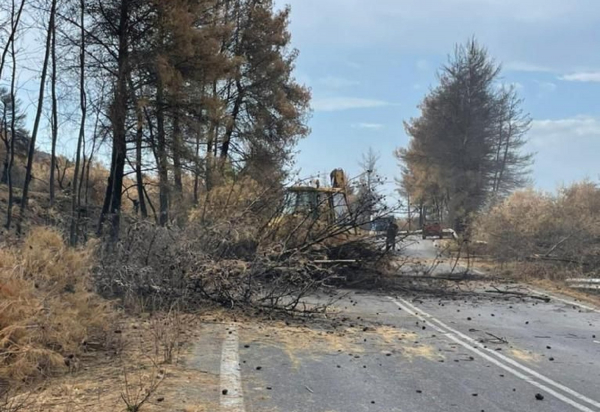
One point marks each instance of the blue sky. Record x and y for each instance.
(370, 62)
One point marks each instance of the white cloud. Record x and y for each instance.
(370, 126)
(334, 104)
(582, 77)
(337, 82)
(544, 131)
(526, 67)
(535, 35)
(566, 149)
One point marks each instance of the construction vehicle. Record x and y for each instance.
(327, 203)
(431, 223)
(432, 229)
(435, 229)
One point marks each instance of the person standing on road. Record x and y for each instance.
(390, 239)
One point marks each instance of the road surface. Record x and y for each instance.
(462, 350)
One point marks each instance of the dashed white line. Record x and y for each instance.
(232, 394)
(476, 347)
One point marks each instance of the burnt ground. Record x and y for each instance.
(428, 345)
(425, 344)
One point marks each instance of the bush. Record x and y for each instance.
(47, 307)
(561, 229)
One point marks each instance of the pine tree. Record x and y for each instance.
(466, 144)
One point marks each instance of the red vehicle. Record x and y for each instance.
(432, 229)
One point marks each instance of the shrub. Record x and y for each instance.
(47, 307)
(561, 229)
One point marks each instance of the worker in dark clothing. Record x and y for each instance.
(136, 206)
(390, 238)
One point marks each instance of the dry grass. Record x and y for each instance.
(167, 333)
(564, 226)
(551, 237)
(525, 356)
(120, 381)
(302, 341)
(47, 309)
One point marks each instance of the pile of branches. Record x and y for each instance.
(161, 266)
(239, 249)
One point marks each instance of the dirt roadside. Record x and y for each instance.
(150, 365)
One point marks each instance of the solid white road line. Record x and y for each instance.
(232, 394)
(478, 348)
(508, 359)
(569, 302)
(551, 296)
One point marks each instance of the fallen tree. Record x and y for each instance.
(239, 250)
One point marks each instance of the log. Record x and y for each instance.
(520, 294)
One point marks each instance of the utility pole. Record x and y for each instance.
(409, 217)
(370, 198)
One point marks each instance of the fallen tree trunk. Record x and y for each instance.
(519, 294)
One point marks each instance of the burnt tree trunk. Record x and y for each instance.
(139, 140)
(162, 158)
(113, 198)
(75, 197)
(13, 132)
(54, 121)
(177, 148)
(38, 116)
(237, 105)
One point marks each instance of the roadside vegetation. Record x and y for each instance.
(466, 148)
(151, 186)
(153, 183)
(545, 236)
(49, 314)
(466, 167)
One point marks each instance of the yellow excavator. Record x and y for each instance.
(329, 204)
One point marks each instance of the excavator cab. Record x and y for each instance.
(324, 203)
(327, 204)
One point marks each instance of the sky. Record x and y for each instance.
(370, 62)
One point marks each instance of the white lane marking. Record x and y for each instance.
(541, 293)
(480, 350)
(507, 359)
(569, 302)
(232, 394)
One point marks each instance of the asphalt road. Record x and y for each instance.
(461, 349)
